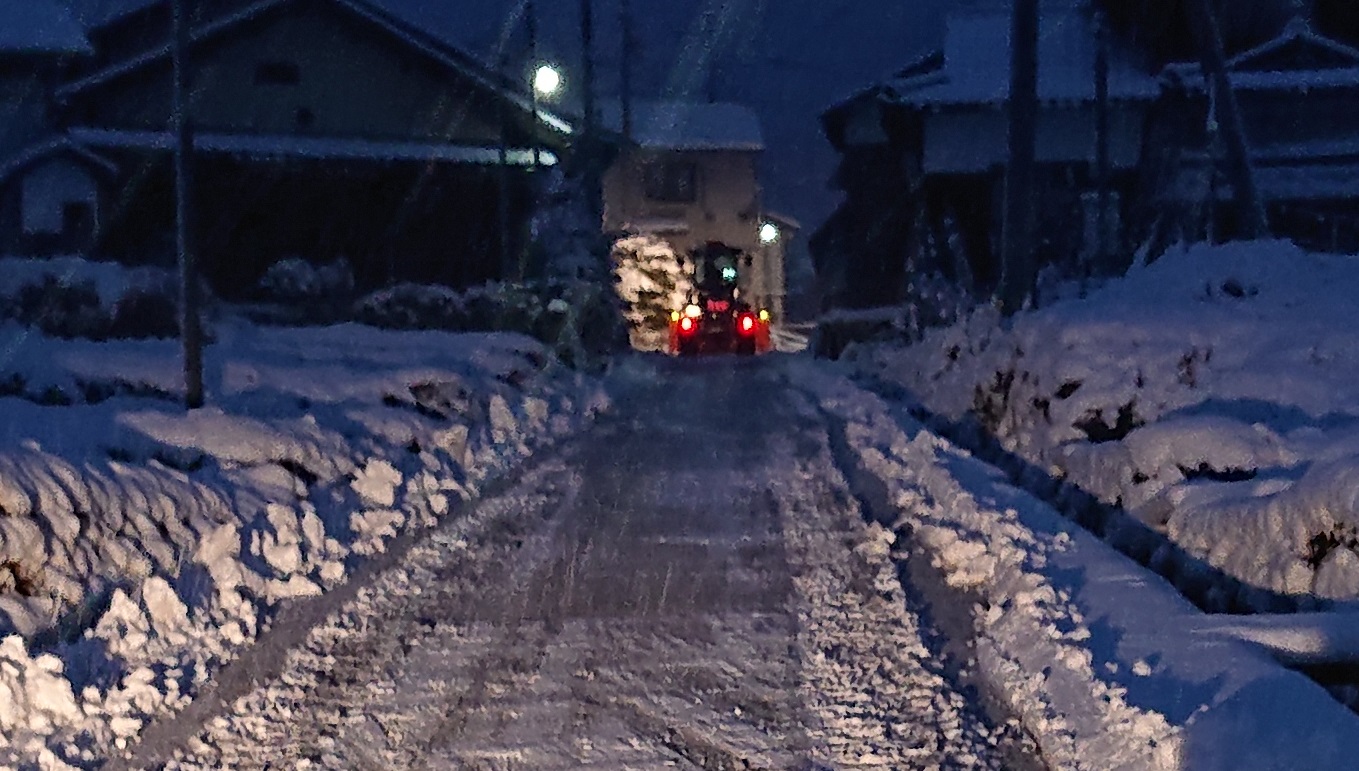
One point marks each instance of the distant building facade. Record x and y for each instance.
(323, 129)
(688, 174)
(922, 155)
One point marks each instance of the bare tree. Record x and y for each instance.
(1203, 21)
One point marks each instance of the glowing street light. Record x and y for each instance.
(769, 233)
(547, 81)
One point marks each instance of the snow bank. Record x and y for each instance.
(1098, 657)
(142, 546)
(1213, 394)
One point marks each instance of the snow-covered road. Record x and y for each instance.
(690, 585)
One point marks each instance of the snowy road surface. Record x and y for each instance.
(690, 586)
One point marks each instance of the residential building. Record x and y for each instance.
(322, 129)
(687, 172)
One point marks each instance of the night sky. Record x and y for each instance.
(787, 59)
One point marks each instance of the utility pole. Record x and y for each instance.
(531, 22)
(590, 146)
(1017, 247)
(1203, 22)
(190, 323)
(625, 71)
(1102, 196)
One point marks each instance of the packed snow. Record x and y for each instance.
(143, 546)
(1211, 394)
(1105, 665)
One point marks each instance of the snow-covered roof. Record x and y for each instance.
(39, 26)
(676, 125)
(1297, 59)
(375, 11)
(291, 146)
(48, 148)
(96, 13)
(976, 62)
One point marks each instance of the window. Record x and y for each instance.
(672, 182)
(304, 118)
(277, 74)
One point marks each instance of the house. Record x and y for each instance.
(322, 129)
(687, 173)
(923, 153)
(1299, 103)
(38, 40)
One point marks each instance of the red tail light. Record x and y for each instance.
(686, 324)
(747, 324)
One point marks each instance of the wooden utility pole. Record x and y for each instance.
(1102, 195)
(590, 145)
(1017, 247)
(1203, 22)
(531, 23)
(626, 63)
(190, 323)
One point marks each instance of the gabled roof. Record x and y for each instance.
(1299, 58)
(60, 144)
(976, 67)
(39, 27)
(438, 50)
(678, 125)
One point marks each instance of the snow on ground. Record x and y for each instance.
(142, 546)
(1102, 662)
(1214, 394)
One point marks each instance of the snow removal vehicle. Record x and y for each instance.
(715, 319)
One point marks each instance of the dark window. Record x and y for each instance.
(672, 182)
(277, 74)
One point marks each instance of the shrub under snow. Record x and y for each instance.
(1214, 395)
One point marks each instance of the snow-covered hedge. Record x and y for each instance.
(579, 320)
(142, 546)
(295, 280)
(1213, 395)
(75, 298)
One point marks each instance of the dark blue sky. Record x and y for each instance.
(788, 59)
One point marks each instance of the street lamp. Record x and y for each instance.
(769, 233)
(547, 81)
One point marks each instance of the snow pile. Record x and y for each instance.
(142, 546)
(874, 687)
(1094, 655)
(297, 280)
(1211, 394)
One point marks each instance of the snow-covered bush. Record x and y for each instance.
(567, 243)
(295, 280)
(651, 280)
(1207, 399)
(75, 298)
(578, 319)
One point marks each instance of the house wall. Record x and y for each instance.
(973, 140)
(727, 209)
(351, 81)
(46, 189)
(1274, 118)
(23, 113)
